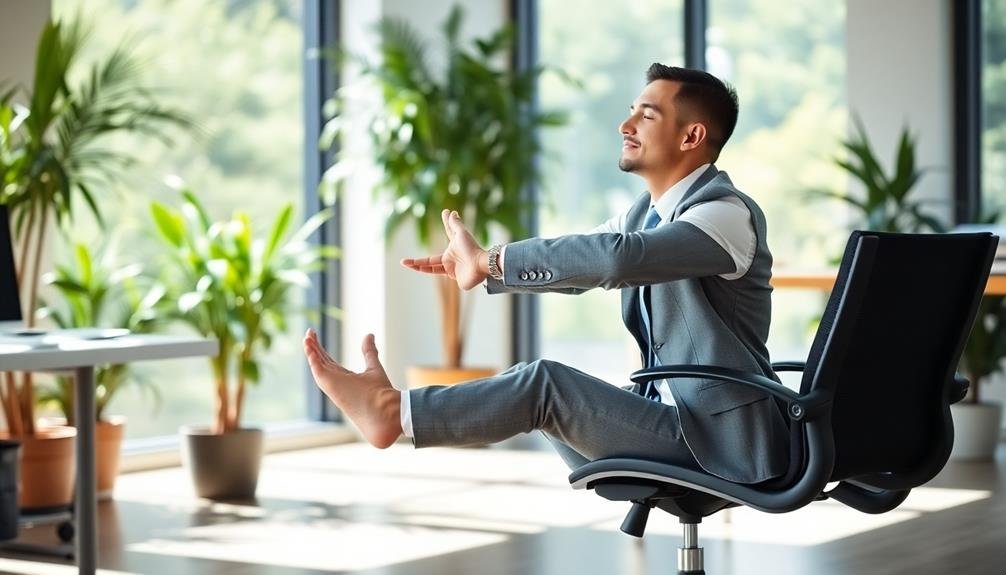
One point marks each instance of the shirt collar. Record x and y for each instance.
(667, 202)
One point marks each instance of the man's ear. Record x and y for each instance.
(694, 136)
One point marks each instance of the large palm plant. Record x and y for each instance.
(55, 154)
(237, 289)
(464, 139)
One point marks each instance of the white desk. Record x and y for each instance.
(81, 357)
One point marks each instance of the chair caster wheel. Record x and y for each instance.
(65, 531)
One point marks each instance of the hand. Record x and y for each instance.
(463, 261)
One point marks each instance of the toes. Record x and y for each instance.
(370, 352)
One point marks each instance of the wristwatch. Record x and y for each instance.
(494, 267)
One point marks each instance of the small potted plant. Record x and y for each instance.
(977, 422)
(95, 292)
(227, 284)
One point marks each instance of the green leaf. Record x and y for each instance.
(278, 231)
(169, 224)
(84, 261)
(250, 369)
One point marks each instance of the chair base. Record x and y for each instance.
(690, 555)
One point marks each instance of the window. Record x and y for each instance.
(788, 65)
(993, 105)
(787, 62)
(236, 67)
(583, 186)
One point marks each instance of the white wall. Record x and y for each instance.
(21, 22)
(379, 295)
(899, 71)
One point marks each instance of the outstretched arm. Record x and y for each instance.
(576, 263)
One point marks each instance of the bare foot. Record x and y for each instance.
(367, 398)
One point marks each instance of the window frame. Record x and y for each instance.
(321, 19)
(967, 113)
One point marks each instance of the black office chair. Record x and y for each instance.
(873, 409)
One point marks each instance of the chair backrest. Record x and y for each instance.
(888, 346)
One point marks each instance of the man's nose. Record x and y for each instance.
(627, 127)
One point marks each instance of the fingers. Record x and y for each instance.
(452, 222)
(424, 265)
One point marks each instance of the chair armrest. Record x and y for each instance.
(961, 386)
(789, 366)
(799, 407)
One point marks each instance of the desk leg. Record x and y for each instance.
(86, 499)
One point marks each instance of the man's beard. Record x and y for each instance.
(627, 165)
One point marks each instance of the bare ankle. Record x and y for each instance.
(387, 419)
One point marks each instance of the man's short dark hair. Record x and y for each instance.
(711, 99)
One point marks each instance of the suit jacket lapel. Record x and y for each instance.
(630, 296)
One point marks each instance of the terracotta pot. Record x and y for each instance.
(108, 445)
(47, 468)
(223, 466)
(421, 375)
(108, 436)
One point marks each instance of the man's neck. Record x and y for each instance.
(658, 184)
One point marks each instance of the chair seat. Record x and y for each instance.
(671, 480)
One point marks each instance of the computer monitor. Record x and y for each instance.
(10, 304)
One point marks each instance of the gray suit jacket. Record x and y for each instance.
(697, 317)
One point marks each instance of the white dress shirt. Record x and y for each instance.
(727, 221)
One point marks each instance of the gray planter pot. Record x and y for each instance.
(976, 430)
(223, 466)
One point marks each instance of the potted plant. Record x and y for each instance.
(465, 140)
(883, 203)
(977, 422)
(238, 289)
(55, 156)
(94, 292)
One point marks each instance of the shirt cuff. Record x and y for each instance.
(406, 414)
(502, 257)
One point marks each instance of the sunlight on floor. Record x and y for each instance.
(353, 507)
(36, 568)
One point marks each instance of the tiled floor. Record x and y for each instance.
(355, 509)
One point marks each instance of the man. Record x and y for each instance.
(691, 261)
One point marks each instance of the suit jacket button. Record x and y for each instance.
(523, 276)
(548, 275)
(658, 346)
(534, 276)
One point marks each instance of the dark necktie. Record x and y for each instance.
(650, 391)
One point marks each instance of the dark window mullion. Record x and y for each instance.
(525, 329)
(967, 41)
(321, 29)
(696, 20)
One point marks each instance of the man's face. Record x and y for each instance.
(653, 133)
